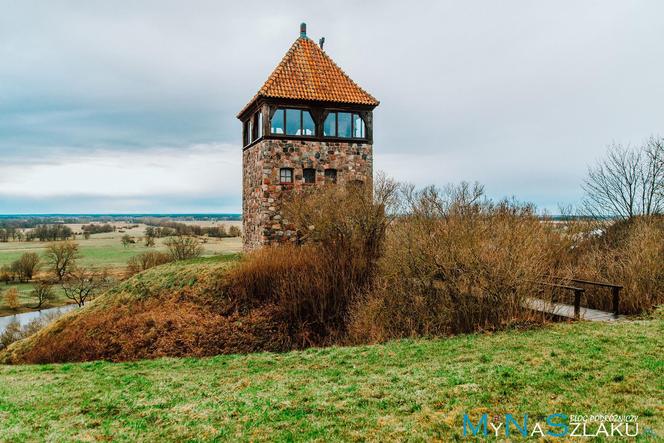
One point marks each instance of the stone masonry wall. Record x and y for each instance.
(262, 192)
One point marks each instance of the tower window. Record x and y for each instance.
(330, 125)
(344, 125)
(331, 175)
(309, 175)
(259, 124)
(277, 122)
(358, 126)
(286, 175)
(292, 122)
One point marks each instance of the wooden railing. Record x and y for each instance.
(577, 295)
(615, 292)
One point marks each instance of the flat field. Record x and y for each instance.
(104, 250)
(408, 390)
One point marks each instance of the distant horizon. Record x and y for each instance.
(125, 214)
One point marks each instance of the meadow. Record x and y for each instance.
(103, 250)
(404, 390)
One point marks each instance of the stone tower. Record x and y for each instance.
(308, 125)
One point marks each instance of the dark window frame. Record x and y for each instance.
(304, 175)
(285, 119)
(331, 174)
(352, 124)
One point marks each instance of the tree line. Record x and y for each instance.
(169, 229)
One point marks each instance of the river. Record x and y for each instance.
(26, 317)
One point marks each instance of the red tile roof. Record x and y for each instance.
(307, 73)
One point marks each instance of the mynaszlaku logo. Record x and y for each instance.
(553, 425)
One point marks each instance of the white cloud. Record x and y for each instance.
(200, 171)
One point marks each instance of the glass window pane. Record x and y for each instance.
(259, 128)
(250, 131)
(330, 125)
(293, 122)
(358, 126)
(277, 123)
(344, 124)
(309, 175)
(308, 127)
(286, 175)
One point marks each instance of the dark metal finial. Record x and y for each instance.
(321, 42)
(303, 29)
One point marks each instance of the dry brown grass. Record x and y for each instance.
(629, 253)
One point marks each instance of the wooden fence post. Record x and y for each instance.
(577, 303)
(616, 300)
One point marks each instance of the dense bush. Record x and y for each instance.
(341, 231)
(455, 262)
(147, 260)
(184, 247)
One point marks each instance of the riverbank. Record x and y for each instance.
(26, 317)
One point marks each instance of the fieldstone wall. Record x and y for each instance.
(262, 193)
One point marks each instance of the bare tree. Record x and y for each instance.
(43, 292)
(82, 284)
(628, 182)
(183, 247)
(61, 257)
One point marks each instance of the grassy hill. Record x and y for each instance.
(402, 390)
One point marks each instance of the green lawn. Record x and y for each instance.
(414, 390)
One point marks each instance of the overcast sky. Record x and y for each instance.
(129, 106)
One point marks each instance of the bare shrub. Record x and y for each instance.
(147, 260)
(629, 253)
(11, 298)
(184, 247)
(83, 284)
(455, 262)
(234, 231)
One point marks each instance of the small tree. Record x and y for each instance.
(6, 274)
(86, 235)
(26, 266)
(82, 284)
(184, 247)
(234, 231)
(62, 257)
(126, 240)
(628, 182)
(11, 298)
(42, 292)
(149, 241)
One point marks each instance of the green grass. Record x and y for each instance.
(414, 390)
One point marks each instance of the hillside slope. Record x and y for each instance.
(403, 390)
(177, 309)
